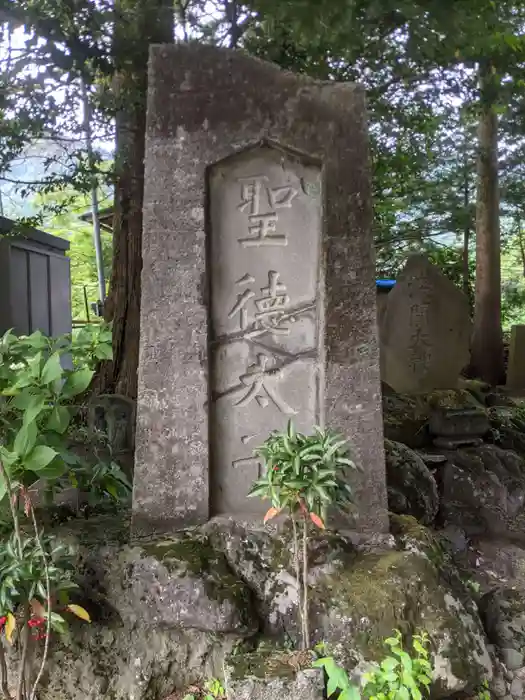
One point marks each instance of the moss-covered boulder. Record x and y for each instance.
(483, 490)
(165, 614)
(412, 489)
(508, 427)
(360, 605)
(405, 419)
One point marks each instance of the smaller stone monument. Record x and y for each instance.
(516, 365)
(425, 330)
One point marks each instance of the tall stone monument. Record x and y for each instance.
(258, 295)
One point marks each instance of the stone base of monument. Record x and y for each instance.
(459, 422)
(452, 428)
(273, 676)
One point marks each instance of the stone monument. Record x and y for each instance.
(425, 330)
(258, 295)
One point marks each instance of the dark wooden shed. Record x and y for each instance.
(35, 285)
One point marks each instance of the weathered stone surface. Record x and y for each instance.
(361, 604)
(272, 677)
(503, 612)
(359, 598)
(483, 490)
(405, 419)
(214, 116)
(143, 644)
(163, 617)
(516, 366)
(412, 489)
(181, 583)
(508, 427)
(425, 331)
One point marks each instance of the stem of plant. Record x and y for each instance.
(12, 506)
(25, 646)
(306, 626)
(297, 567)
(48, 593)
(4, 684)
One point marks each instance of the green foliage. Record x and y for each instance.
(484, 692)
(23, 574)
(400, 676)
(305, 472)
(38, 405)
(212, 690)
(91, 344)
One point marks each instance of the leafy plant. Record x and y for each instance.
(400, 676)
(91, 344)
(40, 378)
(303, 476)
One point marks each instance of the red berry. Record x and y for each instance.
(3, 620)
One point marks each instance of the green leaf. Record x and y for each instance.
(34, 408)
(77, 382)
(25, 439)
(59, 419)
(23, 400)
(54, 470)
(52, 369)
(103, 352)
(389, 664)
(39, 458)
(350, 693)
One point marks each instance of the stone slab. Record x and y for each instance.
(215, 117)
(425, 330)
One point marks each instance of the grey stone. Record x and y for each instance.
(459, 423)
(136, 649)
(275, 678)
(114, 415)
(425, 330)
(516, 688)
(455, 538)
(503, 612)
(182, 583)
(204, 403)
(520, 673)
(516, 366)
(431, 460)
(454, 443)
(412, 489)
(499, 686)
(483, 491)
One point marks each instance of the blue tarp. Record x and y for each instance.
(385, 284)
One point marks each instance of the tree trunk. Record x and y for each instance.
(139, 23)
(466, 234)
(487, 341)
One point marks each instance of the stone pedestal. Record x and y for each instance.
(258, 295)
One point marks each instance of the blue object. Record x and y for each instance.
(385, 284)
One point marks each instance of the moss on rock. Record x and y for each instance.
(361, 605)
